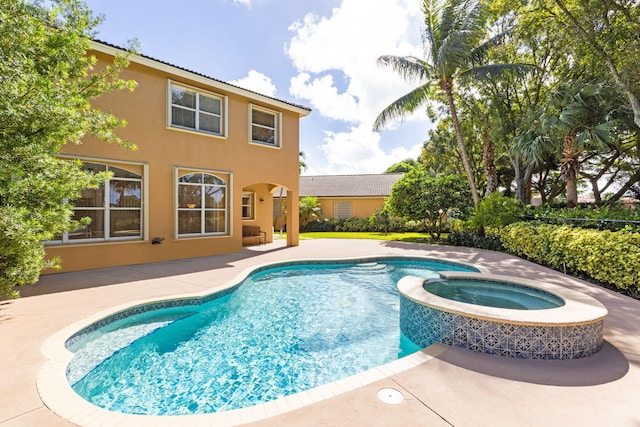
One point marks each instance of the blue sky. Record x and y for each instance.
(317, 53)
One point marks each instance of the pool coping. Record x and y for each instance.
(578, 309)
(57, 394)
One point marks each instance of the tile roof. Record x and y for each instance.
(348, 185)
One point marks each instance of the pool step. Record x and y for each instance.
(370, 268)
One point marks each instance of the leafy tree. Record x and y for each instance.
(453, 34)
(382, 219)
(404, 166)
(605, 35)
(47, 83)
(497, 211)
(428, 200)
(579, 115)
(308, 210)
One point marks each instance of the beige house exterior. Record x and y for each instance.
(209, 157)
(349, 196)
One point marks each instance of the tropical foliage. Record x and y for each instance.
(566, 119)
(428, 200)
(608, 257)
(308, 210)
(454, 38)
(47, 83)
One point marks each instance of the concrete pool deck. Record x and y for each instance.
(450, 387)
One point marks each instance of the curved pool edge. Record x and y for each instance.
(57, 394)
(571, 331)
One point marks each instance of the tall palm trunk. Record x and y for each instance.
(569, 168)
(489, 158)
(446, 87)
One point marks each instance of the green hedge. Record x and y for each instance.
(608, 257)
(360, 225)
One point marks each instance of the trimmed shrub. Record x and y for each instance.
(608, 257)
(397, 225)
(474, 240)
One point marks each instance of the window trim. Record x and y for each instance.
(277, 130)
(251, 205)
(224, 104)
(144, 205)
(179, 171)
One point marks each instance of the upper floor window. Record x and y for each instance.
(114, 206)
(265, 126)
(202, 204)
(195, 110)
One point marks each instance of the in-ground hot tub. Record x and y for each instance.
(573, 328)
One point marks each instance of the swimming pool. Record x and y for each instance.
(284, 329)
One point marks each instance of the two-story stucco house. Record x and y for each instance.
(209, 156)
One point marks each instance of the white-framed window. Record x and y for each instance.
(264, 126)
(202, 204)
(196, 110)
(342, 210)
(114, 206)
(248, 203)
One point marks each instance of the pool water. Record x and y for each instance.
(493, 294)
(284, 330)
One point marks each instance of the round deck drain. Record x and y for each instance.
(390, 396)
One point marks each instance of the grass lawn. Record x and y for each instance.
(402, 237)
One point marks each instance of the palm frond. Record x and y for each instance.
(599, 135)
(432, 10)
(402, 106)
(532, 147)
(408, 67)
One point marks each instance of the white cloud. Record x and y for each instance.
(358, 151)
(243, 2)
(324, 97)
(348, 43)
(256, 82)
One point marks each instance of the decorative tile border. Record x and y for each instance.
(426, 319)
(425, 325)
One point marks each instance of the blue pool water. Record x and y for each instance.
(283, 330)
(493, 294)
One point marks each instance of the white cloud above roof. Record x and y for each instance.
(256, 82)
(348, 43)
(358, 151)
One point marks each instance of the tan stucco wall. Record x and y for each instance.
(250, 167)
(361, 207)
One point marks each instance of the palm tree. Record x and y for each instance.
(578, 116)
(452, 36)
(309, 210)
(302, 165)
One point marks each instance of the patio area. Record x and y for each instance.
(447, 387)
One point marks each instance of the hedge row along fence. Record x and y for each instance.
(605, 256)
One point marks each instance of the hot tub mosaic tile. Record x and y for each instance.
(425, 325)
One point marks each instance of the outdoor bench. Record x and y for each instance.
(251, 233)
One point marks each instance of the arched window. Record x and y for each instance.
(202, 204)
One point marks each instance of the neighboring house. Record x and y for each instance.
(349, 196)
(209, 156)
